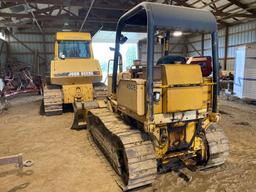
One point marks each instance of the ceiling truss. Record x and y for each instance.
(56, 15)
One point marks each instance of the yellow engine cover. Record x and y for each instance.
(181, 74)
(183, 87)
(183, 99)
(131, 95)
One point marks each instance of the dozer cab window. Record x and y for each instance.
(74, 49)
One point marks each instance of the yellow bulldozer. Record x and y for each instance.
(74, 77)
(167, 117)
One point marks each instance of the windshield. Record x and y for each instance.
(74, 49)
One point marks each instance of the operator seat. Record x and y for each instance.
(171, 59)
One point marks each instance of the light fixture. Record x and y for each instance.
(66, 27)
(2, 35)
(177, 33)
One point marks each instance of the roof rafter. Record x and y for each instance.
(243, 6)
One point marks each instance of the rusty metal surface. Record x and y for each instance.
(13, 159)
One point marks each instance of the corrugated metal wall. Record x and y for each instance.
(177, 50)
(34, 41)
(237, 35)
(3, 57)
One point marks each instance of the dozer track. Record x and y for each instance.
(99, 90)
(129, 152)
(52, 100)
(218, 147)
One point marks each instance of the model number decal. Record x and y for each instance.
(132, 87)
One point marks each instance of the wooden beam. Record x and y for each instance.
(45, 10)
(183, 3)
(30, 53)
(44, 48)
(8, 49)
(1, 49)
(111, 6)
(33, 42)
(243, 6)
(226, 47)
(59, 18)
(230, 15)
(198, 1)
(208, 4)
(224, 6)
(2, 46)
(33, 33)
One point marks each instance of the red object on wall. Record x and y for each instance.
(204, 61)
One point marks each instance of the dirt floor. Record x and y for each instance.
(66, 160)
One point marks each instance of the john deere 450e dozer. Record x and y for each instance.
(168, 116)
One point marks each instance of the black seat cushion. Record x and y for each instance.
(171, 59)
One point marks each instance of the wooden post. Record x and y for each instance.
(8, 48)
(185, 47)
(202, 44)
(226, 47)
(35, 63)
(1, 62)
(45, 55)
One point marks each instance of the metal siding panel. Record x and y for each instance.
(178, 48)
(221, 52)
(19, 48)
(158, 49)
(207, 44)
(230, 64)
(231, 51)
(221, 41)
(196, 38)
(208, 53)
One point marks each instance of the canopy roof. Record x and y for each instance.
(170, 17)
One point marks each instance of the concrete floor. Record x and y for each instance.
(66, 160)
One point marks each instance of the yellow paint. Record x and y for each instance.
(75, 65)
(190, 130)
(74, 73)
(78, 91)
(182, 99)
(73, 36)
(183, 91)
(181, 74)
(131, 95)
(207, 92)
